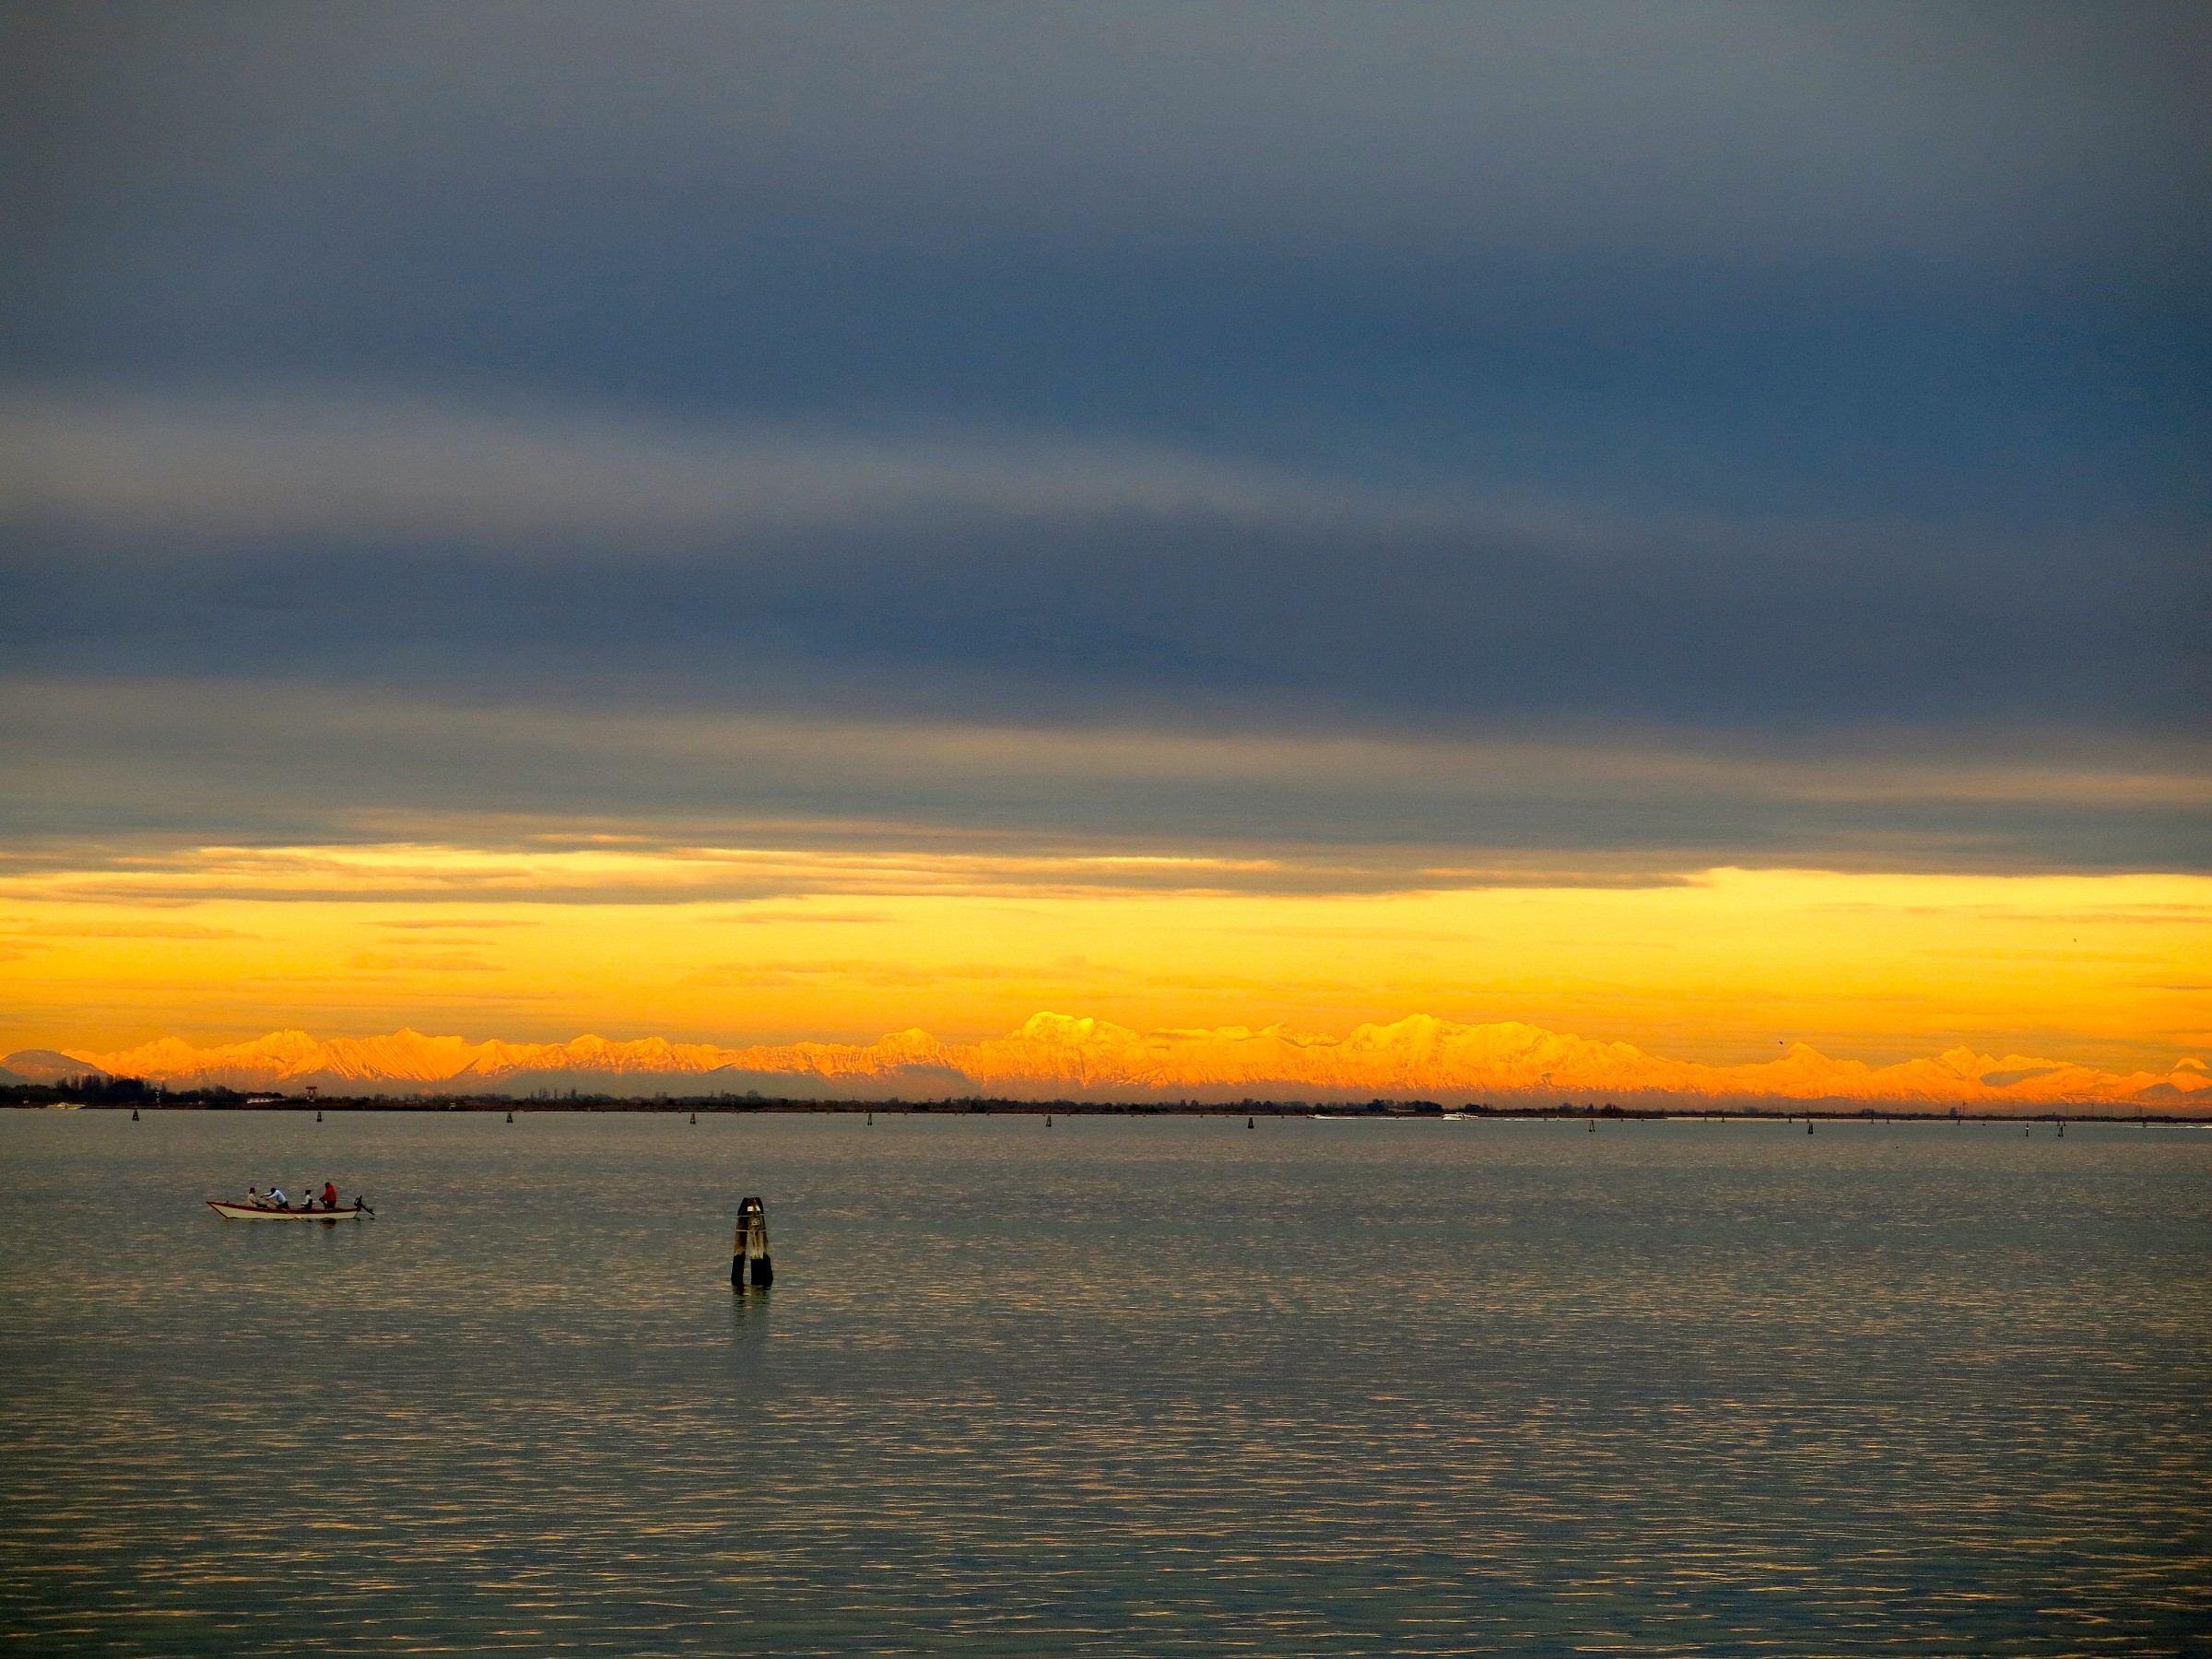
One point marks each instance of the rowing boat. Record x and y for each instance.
(232, 1210)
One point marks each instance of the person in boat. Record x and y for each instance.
(277, 1199)
(330, 1196)
(253, 1197)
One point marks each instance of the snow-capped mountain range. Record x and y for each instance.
(1057, 1056)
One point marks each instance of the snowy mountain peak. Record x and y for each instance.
(1053, 1055)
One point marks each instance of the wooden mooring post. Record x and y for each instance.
(750, 1267)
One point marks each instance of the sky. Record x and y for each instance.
(1684, 525)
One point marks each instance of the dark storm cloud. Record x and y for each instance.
(1793, 380)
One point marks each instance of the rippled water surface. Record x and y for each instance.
(1118, 1386)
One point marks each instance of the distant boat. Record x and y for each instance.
(231, 1209)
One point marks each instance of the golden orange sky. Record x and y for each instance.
(1723, 967)
(1380, 565)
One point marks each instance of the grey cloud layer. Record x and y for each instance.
(1688, 128)
(146, 770)
(980, 573)
(550, 413)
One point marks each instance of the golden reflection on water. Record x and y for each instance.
(1135, 1387)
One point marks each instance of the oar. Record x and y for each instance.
(361, 1203)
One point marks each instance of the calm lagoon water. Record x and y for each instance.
(1122, 1386)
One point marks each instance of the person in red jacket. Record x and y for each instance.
(330, 1196)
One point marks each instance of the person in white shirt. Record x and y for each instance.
(278, 1198)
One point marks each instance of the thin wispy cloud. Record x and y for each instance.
(355, 464)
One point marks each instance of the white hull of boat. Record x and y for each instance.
(248, 1212)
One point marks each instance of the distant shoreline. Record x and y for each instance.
(720, 1105)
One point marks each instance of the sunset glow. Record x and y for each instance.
(1465, 513)
(1722, 966)
(1007, 828)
